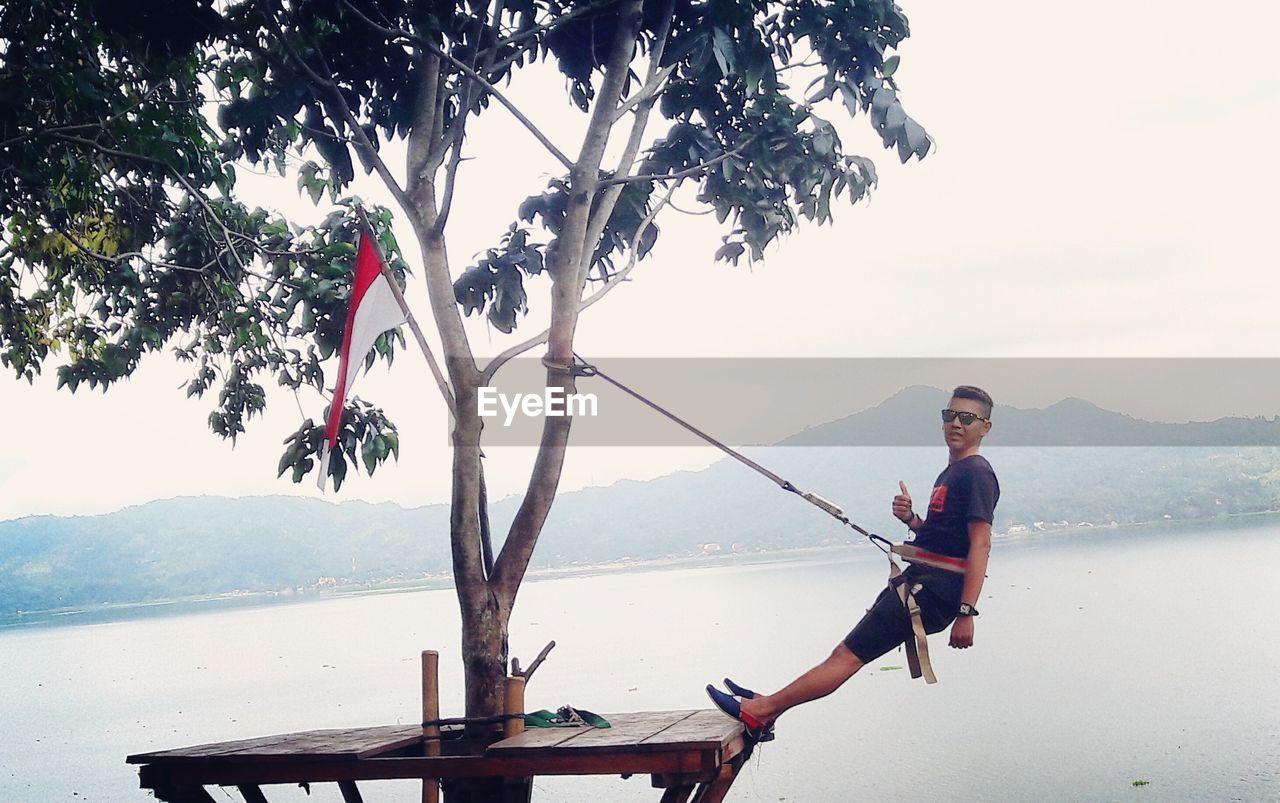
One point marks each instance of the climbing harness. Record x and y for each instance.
(917, 646)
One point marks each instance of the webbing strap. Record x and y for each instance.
(915, 554)
(748, 462)
(916, 644)
(921, 639)
(826, 505)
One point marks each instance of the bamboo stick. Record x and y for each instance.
(430, 713)
(514, 704)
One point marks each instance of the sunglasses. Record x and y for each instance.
(965, 418)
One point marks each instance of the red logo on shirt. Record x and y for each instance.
(938, 500)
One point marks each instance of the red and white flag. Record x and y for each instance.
(374, 309)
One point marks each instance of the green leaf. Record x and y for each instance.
(286, 460)
(915, 139)
(890, 66)
(722, 47)
(337, 468)
(684, 45)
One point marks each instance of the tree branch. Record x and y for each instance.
(533, 667)
(429, 109)
(115, 259)
(649, 91)
(459, 127)
(682, 174)
(192, 193)
(554, 23)
(412, 38)
(367, 152)
(101, 123)
(450, 176)
(607, 203)
(511, 107)
(614, 281)
(486, 537)
(568, 280)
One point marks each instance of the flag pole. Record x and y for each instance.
(441, 381)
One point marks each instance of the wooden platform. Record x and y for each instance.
(686, 753)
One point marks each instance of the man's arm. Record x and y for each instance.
(979, 552)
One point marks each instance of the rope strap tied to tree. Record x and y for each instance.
(496, 719)
(582, 368)
(575, 368)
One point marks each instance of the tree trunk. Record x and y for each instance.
(486, 598)
(484, 617)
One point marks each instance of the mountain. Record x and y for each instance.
(209, 545)
(206, 545)
(1070, 422)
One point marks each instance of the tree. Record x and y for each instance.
(123, 234)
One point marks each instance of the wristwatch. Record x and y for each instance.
(967, 610)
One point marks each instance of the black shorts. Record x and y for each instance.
(886, 623)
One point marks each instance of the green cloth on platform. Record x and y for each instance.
(565, 717)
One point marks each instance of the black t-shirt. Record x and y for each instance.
(965, 491)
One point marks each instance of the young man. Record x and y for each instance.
(957, 524)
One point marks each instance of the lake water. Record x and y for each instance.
(1102, 658)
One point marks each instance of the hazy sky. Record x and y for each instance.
(1102, 187)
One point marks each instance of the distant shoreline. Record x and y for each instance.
(107, 613)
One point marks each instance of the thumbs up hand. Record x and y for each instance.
(902, 505)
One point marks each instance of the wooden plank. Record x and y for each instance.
(305, 746)
(251, 793)
(246, 746)
(531, 740)
(371, 741)
(329, 741)
(735, 748)
(174, 774)
(628, 729)
(396, 738)
(701, 730)
(350, 793)
(685, 745)
(626, 733)
(212, 748)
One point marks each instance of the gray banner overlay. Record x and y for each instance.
(896, 402)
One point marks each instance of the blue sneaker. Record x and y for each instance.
(755, 730)
(739, 691)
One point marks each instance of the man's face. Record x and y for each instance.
(961, 438)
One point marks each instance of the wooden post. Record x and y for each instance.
(350, 792)
(515, 790)
(514, 704)
(251, 793)
(430, 712)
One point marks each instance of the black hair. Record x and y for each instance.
(976, 394)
